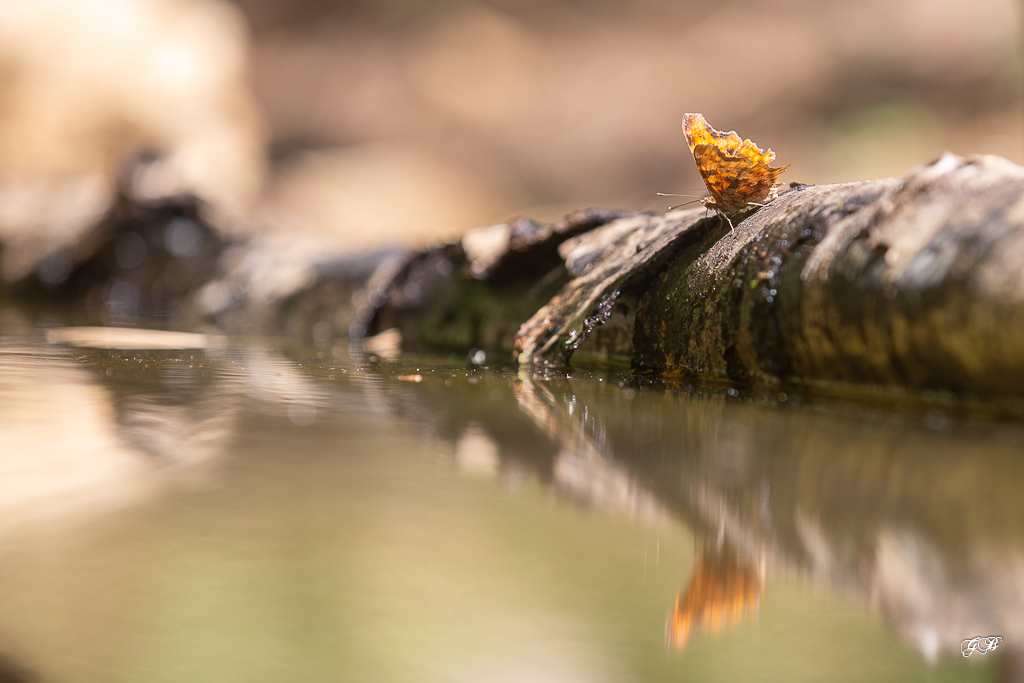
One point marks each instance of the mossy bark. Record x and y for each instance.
(730, 305)
(913, 283)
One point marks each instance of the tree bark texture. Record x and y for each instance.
(915, 282)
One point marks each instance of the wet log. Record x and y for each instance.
(474, 294)
(910, 283)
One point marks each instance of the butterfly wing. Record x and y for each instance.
(735, 180)
(736, 171)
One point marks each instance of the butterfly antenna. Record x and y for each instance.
(665, 194)
(683, 204)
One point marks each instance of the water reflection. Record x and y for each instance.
(722, 593)
(924, 525)
(306, 454)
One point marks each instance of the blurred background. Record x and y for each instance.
(373, 122)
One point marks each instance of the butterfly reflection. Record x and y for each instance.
(723, 592)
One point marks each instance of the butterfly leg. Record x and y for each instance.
(726, 218)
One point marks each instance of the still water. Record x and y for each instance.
(229, 510)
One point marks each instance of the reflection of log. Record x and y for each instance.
(924, 525)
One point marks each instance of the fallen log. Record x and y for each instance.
(913, 283)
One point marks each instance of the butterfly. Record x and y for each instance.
(736, 171)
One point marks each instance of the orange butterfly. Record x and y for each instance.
(736, 171)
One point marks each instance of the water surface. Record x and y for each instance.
(243, 511)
